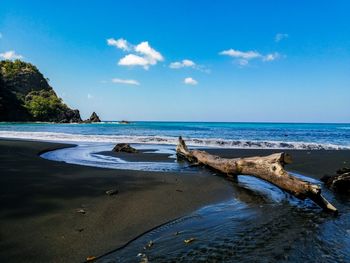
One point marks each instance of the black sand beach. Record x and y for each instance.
(40, 198)
(39, 221)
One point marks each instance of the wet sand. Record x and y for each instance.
(39, 199)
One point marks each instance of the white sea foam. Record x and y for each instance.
(212, 142)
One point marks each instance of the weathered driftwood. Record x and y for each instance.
(269, 168)
(339, 182)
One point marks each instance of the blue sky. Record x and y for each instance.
(284, 61)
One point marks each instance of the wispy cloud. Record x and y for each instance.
(89, 96)
(243, 57)
(271, 57)
(119, 43)
(190, 81)
(240, 54)
(126, 81)
(140, 55)
(11, 55)
(185, 63)
(280, 36)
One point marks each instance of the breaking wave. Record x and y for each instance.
(206, 142)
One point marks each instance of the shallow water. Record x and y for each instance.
(260, 223)
(88, 154)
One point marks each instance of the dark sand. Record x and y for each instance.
(141, 156)
(39, 198)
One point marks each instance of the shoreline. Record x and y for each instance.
(40, 199)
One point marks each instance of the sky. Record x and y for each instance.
(234, 61)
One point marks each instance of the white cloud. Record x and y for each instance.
(240, 54)
(182, 64)
(243, 58)
(140, 55)
(190, 81)
(89, 96)
(119, 43)
(150, 54)
(280, 36)
(243, 62)
(126, 81)
(134, 60)
(10, 55)
(271, 57)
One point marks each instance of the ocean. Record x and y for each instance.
(311, 136)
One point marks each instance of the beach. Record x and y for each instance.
(40, 199)
(54, 211)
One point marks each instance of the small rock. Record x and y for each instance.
(149, 245)
(81, 211)
(123, 122)
(178, 190)
(343, 170)
(143, 257)
(93, 118)
(124, 147)
(90, 258)
(187, 241)
(112, 192)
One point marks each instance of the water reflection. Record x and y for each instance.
(259, 224)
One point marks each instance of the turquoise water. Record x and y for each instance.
(228, 135)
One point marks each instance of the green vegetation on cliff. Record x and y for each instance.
(25, 95)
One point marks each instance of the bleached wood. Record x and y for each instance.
(269, 168)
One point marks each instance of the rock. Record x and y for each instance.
(90, 258)
(93, 118)
(190, 240)
(123, 122)
(124, 147)
(149, 245)
(339, 182)
(26, 95)
(343, 170)
(143, 258)
(112, 192)
(69, 116)
(81, 211)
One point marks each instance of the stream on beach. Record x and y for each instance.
(260, 223)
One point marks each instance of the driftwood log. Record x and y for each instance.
(269, 168)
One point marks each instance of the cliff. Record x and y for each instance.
(25, 95)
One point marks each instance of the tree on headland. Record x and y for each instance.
(26, 95)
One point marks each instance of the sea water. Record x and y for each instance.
(209, 134)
